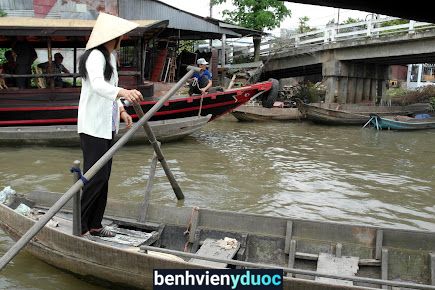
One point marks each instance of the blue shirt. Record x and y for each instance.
(203, 73)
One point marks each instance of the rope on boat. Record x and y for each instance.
(195, 83)
(79, 172)
(200, 105)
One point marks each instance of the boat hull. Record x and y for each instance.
(62, 109)
(66, 135)
(353, 114)
(248, 113)
(390, 123)
(265, 240)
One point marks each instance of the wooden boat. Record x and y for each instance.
(353, 114)
(250, 112)
(48, 105)
(66, 135)
(316, 255)
(402, 123)
(49, 110)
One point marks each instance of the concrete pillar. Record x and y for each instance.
(348, 82)
(331, 88)
(367, 97)
(381, 76)
(331, 71)
(351, 90)
(373, 90)
(342, 90)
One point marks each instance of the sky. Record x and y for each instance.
(318, 15)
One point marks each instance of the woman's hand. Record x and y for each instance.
(133, 96)
(126, 118)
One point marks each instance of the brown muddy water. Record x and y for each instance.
(298, 169)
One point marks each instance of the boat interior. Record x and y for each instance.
(210, 238)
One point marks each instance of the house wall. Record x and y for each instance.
(75, 9)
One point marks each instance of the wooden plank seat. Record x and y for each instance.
(342, 266)
(216, 249)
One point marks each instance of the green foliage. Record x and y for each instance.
(310, 93)
(186, 45)
(401, 96)
(394, 22)
(2, 13)
(256, 14)
(432, 103)
(303, 25)
(351, 20)
(2, 54)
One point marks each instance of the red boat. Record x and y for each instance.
(44, 105)
(17, 109)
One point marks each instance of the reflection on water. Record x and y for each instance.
(301, 170)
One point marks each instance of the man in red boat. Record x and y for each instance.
(100, 111)
(57, 68)
(9, 67)
(26, 55)
(201, 81)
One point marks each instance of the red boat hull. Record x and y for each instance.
(22, 112)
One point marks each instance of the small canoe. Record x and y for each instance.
(66, 135)
(313, 255)
(353, 114)
(402, 123)
(254, 112)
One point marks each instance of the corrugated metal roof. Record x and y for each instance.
(46, 26)
(178, 19)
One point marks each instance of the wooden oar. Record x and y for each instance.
(33, 231)
(159, 153)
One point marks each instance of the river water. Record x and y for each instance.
(298, 169)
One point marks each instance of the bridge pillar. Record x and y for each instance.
(353, 82)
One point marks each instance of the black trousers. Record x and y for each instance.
(94, 196)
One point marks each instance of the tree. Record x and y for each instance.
(256, 14)
(303, 25)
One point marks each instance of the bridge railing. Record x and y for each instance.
(373, 28)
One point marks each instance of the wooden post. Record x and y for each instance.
(77, 210)
(148, 188)
(34, 230)
(50, 63)
(223, 59)
(75, 66)
(230, 86)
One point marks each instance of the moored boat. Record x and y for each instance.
(51, 110)
(353, 114)
(66, 135)
(57, 111)
(251, 112)
(402, 122)
(317, 255)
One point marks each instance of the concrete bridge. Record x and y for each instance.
(352, 60)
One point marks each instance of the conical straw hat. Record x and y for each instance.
(108, 27)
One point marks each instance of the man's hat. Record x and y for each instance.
(201, 61)
(108, 27)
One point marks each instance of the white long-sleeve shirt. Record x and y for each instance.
(96, 98)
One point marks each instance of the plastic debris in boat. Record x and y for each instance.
(227, 243)
(23, 209)
(7, 195)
